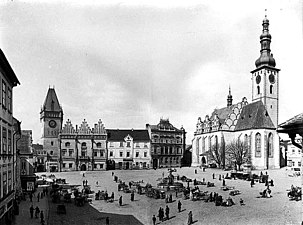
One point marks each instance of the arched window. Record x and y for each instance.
(258, 145)
(258, 89)
(83, 144)
(270, 145)
(99, 145)
(246, 142)
(271, 89)
(216, 142)
(67, 144)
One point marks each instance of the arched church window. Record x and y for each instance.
(246, 142)
(271, 89)
(258, 90)
(270, 144)
(258, 145)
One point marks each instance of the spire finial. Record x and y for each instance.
(229, 97)
(229, 90)
(265, 13)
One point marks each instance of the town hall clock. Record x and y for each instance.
(52, 123)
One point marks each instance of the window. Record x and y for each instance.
(3, 94)
(161, 150)
(258, 89)
(52, 143)
(63, 152)
(121, 144)
(9, 143)
(137, 145)
(70, 152)
(67, 144)
(111, 153)
(83, 153)
(121, 154)
(299, 163)
(258, 145)
(64, 165)
(271, 89)
(137, 154)
(293, 150)
(170, 150)
(145, 154)
(111, 144)
(128, 144)
(145, 145)
(4, 140)
(95, 153)
(127, 154)
(102, 154)
(70, 165)
(245, 142)
(9, 181)
(101, 166)
(51, 152)
(99, 145)
(4, 184)
(270, 145)
(95, 165)
(293, 163)
(9, 99)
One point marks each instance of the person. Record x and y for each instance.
(213, 176)
(31, 210)
(132, 196)
(120, 201)
(38, 196)
(42, 216)
(167, 212)
(107, 220)
(252, 182)
(160, 214)
(37, 212)
(154, 220)
(31, 196)
(112, 196)
(170, 198)
(241, 201)
(190, 218)
(179, 205)
(224, 182)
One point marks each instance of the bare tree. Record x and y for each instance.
(216, 154)
(237, 153)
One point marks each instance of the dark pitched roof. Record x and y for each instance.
(8, 71)
(223, 113)
(254, 116)
(51, 102)
(119, 135)
(164, 125)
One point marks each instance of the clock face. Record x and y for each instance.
(52, 123)
(258, 79)
(271, 78)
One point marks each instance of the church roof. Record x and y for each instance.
(51, 102)
(119, 135)
(254, 116)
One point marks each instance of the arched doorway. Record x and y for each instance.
(203, 160)
(83, 167)
(127, 165)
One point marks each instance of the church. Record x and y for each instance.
(248, 129)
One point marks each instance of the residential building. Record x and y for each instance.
(27, 166)
(83, 148)
(51, 117)
(128, 149)
(167, 144)
(40, 157)
(292, 154)
(254, 124)
(8, 80)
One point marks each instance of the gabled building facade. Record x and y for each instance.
(253, 123)
(128, 149)
(167, 144)
(51, 117)
(8, 80)
(83, 148)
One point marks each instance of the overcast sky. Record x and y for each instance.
(131, 62)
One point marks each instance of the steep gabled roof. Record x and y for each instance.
(8, 71)
(51, 102)
(254, 116)
(119, 135)
(293, 125)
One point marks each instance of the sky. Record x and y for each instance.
(130, 63)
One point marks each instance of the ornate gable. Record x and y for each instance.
(99, 128)
(84, 128)
(68, 128)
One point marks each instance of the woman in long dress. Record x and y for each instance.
(190, 218)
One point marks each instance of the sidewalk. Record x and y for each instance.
(24, 213)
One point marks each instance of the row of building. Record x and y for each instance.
(68, 147)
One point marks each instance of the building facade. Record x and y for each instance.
(254, 124)
(51, 117)
(40, 157)
(292, 154)
(8, 81)
(167, 144)
(128, 149)
(83, 148)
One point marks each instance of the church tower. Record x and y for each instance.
(265, 78)
(51, 117)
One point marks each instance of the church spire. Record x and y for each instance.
(229, 98)
(266, 58)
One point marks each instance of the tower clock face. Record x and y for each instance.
(52, 123)
(271, 78)
(258, 79)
